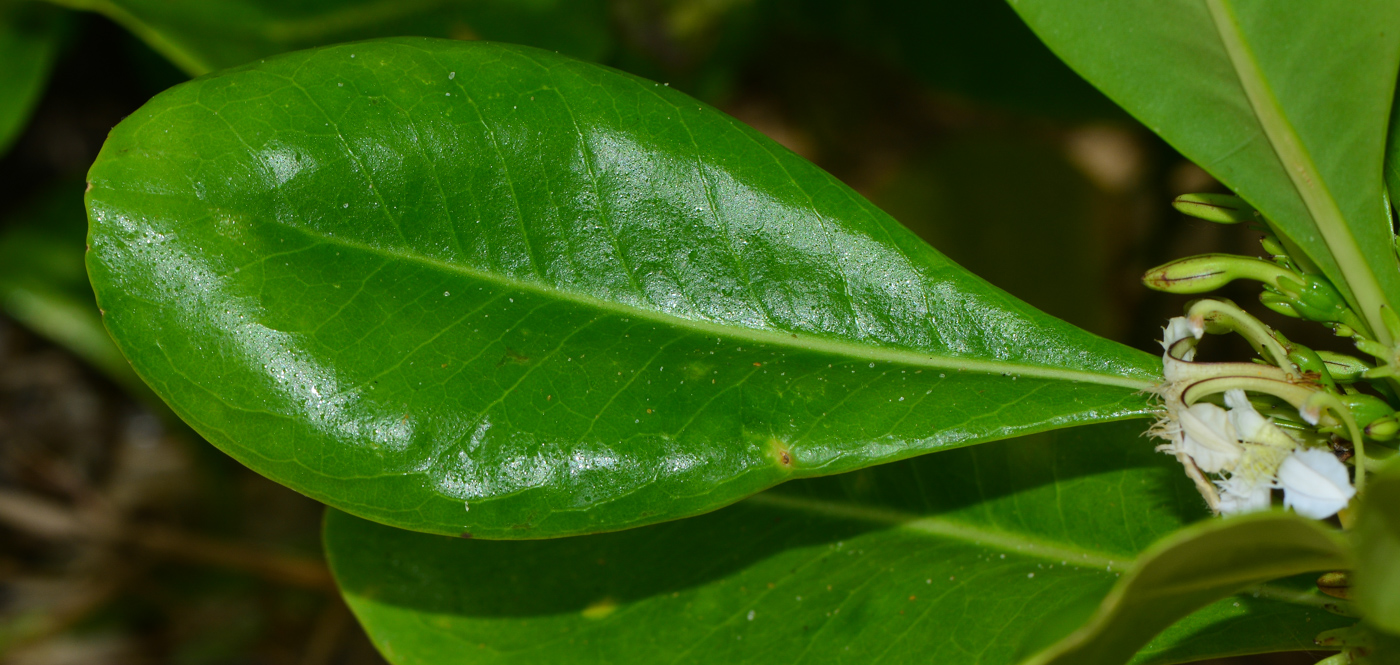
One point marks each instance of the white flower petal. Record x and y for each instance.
(1315, 484)
(1243, 495)
(1249, 425)
(1208, 437)
(1252, 427)
(1179, 328)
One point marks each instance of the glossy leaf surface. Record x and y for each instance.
(29, 40)
(473, 287)
(1376, 580)
(207, 35)
(1191, 569)
(1240, 96)
(973, 556)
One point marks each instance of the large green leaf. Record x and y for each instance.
(1377, 575)
(1191, 569)
(473, 287)
(207, 35)
(29, 40)
(973, 556)
(1285, 102)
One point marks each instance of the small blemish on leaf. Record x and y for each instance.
(600, 609)
(778, 452)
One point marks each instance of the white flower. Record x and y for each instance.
(1208, 437)
(1249, 486)
(1314, 483)
(1252, 427)
(1244, 493)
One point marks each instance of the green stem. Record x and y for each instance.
(1231, 317)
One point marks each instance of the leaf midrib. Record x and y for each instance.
(761, 337)
(996, 539)
(1362, 286)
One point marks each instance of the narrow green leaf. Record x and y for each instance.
(1377, 575)
(474, 287)
(968, 557)
(1191, 569)
(203, 36)
(1242, 96)
(29, 38)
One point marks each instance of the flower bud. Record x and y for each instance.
(1314, 483)
(1366, 409)
(1218, 208)
(1384, 429)
(1207, 272)
(1314, 298)
(1342, 367)
(1273, 246)
(1279, 303)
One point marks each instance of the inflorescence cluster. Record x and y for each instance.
(1292, 418)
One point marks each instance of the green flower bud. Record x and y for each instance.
(1344, 368)
(1272, 245)
(1366, 409)
(1207, 272)
(1218, 208)
(1383, 429)
(1279, 303)
(1314, 298)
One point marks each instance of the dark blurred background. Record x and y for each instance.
(126, 539)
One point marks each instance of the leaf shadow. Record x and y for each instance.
(1003, 485)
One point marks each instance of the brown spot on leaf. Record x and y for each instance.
(779, 453)
(513, 356)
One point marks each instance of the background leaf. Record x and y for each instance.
(1197, 100)
(971, 556)
(29, 38)
(1011, 211)
(1192, 568)
(214, 34)
(980, 50)
(44, 285)
(474, 287)
(1376, 579)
